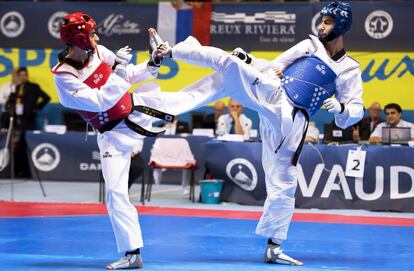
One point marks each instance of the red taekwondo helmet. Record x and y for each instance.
(75, 28)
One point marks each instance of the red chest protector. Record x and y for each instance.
(95, 74)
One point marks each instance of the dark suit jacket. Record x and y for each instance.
(364, 127)
(34, 99)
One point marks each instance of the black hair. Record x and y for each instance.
(393, 106)
(22, 69)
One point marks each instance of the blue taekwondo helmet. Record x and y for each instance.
(342, 14)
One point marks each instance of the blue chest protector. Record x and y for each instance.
(308, 82)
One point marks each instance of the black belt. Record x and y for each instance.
(137, 128)
(109, 126)
(295, 157)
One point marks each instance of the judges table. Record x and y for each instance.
(387, 184)
(74, 156)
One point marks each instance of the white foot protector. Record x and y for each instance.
(129, 261)
(274, 254)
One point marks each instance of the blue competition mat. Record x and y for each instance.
(198, 244)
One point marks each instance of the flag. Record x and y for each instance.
(178, 20)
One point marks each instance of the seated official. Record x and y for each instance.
(312, 134)
(393, 114)
(363, 129)
(235, 122)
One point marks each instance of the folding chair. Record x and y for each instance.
(171, 153)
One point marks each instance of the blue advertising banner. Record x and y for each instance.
(266, 27)
(36, 25)
(271, 27)
(387, 184)
(74, 156)
(378, 26)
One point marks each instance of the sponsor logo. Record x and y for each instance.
(270, 26)
(53, 25)
(321, 68)
(259, 17)
(97, 78)
(45, 157)
(91, 166)
(115, 24)
(106, 155)
(384, 70)
(242, 173)
(12, 24)
(337, 182)
(379, 24)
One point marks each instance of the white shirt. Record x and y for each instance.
(224, 124)
(5, 91)
(378, 130)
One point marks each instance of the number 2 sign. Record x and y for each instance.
(355, 163)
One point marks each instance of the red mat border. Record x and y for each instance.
(32, 209)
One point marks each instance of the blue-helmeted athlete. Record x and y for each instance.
(285, 92)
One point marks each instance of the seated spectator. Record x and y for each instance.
(393, 113)
(312, 135)
(210, 120)
(364, 128)
(235, 122)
